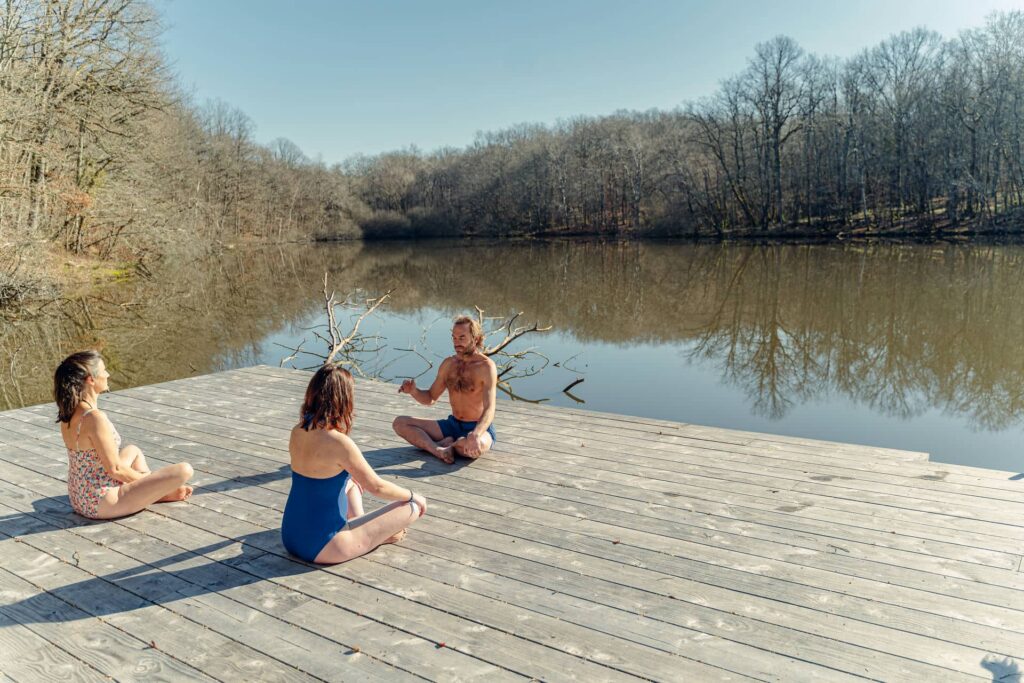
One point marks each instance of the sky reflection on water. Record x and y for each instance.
(914, 347)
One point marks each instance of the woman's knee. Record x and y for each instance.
(342, 548)
(184, 471)
(398, 424)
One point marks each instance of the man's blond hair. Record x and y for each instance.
(474, 329)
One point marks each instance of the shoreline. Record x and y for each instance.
(51, 278)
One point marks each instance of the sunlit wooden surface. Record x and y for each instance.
(585, 546)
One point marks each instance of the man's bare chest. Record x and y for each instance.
(465, 378)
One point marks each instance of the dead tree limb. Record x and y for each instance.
(339, 341)
(511, 334)
(576, 381)
(342, 347)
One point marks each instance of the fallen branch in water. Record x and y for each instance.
(343, 348)
(510, 334)
(353, 348)
(507, 390)
(511, 363)
(340, 342)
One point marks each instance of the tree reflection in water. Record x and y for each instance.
(900, 328)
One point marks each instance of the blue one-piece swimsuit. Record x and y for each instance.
(316, 510)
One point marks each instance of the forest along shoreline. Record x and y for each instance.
(108, 160)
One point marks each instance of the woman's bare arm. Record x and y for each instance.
(97, 428)
(360, 471)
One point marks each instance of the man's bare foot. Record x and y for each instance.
(460, 449)
(395, 537)
(446, 442)
(180, 493)
(445, 454)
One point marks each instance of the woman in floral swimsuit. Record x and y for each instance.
(105, 480)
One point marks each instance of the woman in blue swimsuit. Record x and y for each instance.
(323, 518)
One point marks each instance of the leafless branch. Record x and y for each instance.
(343, 347)
(507, 390)
(578, 380)
(295, 352)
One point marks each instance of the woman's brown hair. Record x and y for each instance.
(330, 399)
(69, 382)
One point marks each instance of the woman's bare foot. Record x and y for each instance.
(180, 493)
(396, 537)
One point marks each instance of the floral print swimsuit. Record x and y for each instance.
(88, 482)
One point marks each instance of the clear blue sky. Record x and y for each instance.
(340, 78)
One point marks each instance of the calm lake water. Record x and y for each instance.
(913, 347)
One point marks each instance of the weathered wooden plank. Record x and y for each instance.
(907, 491)
(801, 503)
(882, 535)
(923, 479)
(354, 636)
(95, 596)
(672, 432)
(826, 557)
(27, 656)
(550, 629)
(833, 633)
(913, 583)
(209, 590)
(906, 480)
(285, 387)
(1010, 559)
(646, 426)
(285, 571)
(104, 645)
(636, 423)
(620, 532)
(484, 518)
(791, 665)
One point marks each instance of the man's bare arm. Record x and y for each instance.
(429, 396)
(490, 400)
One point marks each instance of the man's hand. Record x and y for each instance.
(408, 386)
(471, 448)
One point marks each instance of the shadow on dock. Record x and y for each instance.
(235, 483)
(1003, 669)
(48, 514)
(381, 459)
(162, 581)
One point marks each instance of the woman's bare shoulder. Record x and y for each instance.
(93, 420)
(344, 441)
(318, 452)
(322, 439)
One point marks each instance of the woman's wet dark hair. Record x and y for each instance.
(330, 400)
(69, 381)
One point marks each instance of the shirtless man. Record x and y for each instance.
(471, 379)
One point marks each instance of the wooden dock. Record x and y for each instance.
(586, 546)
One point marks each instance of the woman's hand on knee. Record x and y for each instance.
(421, 502)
